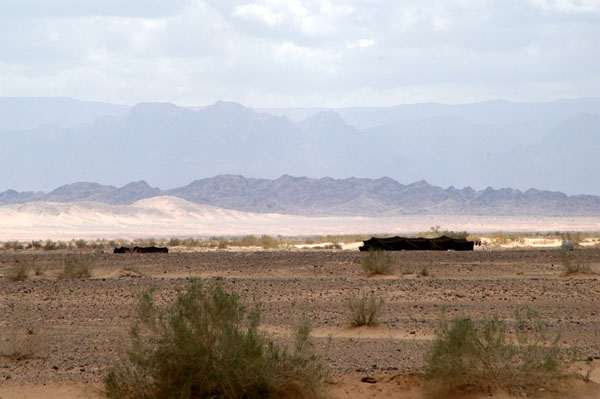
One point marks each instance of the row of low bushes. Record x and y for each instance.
(208, 345)
(74, 266)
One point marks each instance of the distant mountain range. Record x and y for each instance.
(45, 142)
(327, 196)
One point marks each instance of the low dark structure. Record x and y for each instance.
(141, 250)
(442, 243)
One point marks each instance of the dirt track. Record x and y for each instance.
(83, 323)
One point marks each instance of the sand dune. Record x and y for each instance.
(169, 216)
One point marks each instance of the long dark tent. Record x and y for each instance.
(442, 243)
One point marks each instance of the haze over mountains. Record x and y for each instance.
(326, 197)
(45, 143)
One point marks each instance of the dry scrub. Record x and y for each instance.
(20, 344)
(78, 266)
(206, 345)
(377, 262)
(573, 262)
(469, 355)
(19, 270)
(364, 310)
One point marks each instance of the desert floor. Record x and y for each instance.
(82, 325)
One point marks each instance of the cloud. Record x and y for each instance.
(259, 12)
(569, 6)
(300, 52)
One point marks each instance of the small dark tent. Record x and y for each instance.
(442, 243)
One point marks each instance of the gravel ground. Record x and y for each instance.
(80, 326)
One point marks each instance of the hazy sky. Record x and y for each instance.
(300, 53)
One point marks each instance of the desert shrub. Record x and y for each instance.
(206, 345)
(50, 245)
(377, 261)
(573, 262)
(455, 234)
(268, 242)
(20, 344)
(36, 244)
(222, 243)
(250, 241)
(39, 268)
(14, 245)
(363, 310)
(174, 242)
(424, 272)
(18, 271)
(81, 244)
(78, 266)
(470, 355)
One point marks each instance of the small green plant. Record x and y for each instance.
(377, 262)
(19, 270)
(470, 355)
(363, 310)
(78, 266)
(207, 345)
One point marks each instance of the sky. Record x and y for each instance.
(296, 53)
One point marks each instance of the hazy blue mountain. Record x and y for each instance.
(566, 158)
(498, 112)
(496, 143)
(327, 196)
(24, 113)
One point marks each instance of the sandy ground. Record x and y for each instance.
(169, 216)
(82, 324)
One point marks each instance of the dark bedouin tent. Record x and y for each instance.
(442, 243)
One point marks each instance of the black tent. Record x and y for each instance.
(442, 243)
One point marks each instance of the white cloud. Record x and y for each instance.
(259, 12)
(569, 6)
(309, 52)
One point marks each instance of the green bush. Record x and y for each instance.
(206, 345)
(363, 310)
(78, 266)
(470, 355)
(377, 262)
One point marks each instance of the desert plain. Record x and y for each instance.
(81, 325)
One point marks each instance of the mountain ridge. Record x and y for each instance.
(328, 197)
(551, 146)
